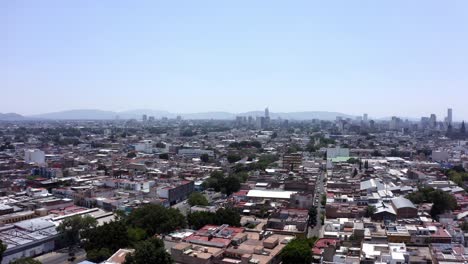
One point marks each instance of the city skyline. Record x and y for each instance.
(78, 114)
(398, 58)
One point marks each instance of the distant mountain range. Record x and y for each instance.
(11, 117)
(95, 114)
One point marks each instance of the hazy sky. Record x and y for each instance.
(382, 57)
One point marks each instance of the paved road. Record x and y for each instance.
(183, 207)
(320, 189)
(61, 256)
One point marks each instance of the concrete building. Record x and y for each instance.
(28, 239)
(404, 208)
(336, 152)
(292, 162)
(440, 155)
(145, 146)
(177, 192)
(34, 156)
(194, 153)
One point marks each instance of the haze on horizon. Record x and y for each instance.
(405, 58)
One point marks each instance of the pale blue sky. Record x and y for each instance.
(403, 57)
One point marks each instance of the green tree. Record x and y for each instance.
(131, 155)
(233, 158)
(324, 200)
(197, 198)
(74, 227)
(297, 251)
(312, 215)
(197, 220)
(149, 251)
(458, 176)
(136, 234)
(222, 216)
(99, 255)
(370, 210)
(242, 176)
(3, 247)
(226, 185)
(205, 158)
(156, 219)
(464, 226)
(228, 216)
(230, 185)
(442, 202)
(353, 161)
(164, 156)
(110, 236)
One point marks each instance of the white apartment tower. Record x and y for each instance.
(449, 116)
(34, 156)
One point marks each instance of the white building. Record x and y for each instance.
(195, 153)
(143, 186)
(34, 156)
(145, 146)
(37, 192)
(440, 155)
(337, 152)
(28, 238)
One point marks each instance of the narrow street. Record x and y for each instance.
(61, 256)
(319, 190)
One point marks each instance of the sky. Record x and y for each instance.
(395, 57)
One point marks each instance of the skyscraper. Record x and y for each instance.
(449, 116)
(266, 122)
(433, 120)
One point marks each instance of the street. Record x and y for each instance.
(319, 190)
(61, 256)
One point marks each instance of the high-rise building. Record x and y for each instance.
(266, 122)
(365, 117)
(449, 116)
(145, 118)
(433, 120)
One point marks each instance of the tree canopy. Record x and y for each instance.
(204, 158)
(458, 176)
(102, 241)
(441, 201)
(297, 251)
(232, 157)
(156, 219)
(228, 216)
(3, 247)
(149, 251)
(313, 215)
(226, 185)
(74, 227)
(197, 198)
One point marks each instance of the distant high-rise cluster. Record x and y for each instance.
(449, 118)
(259, 122)
(432, 123)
